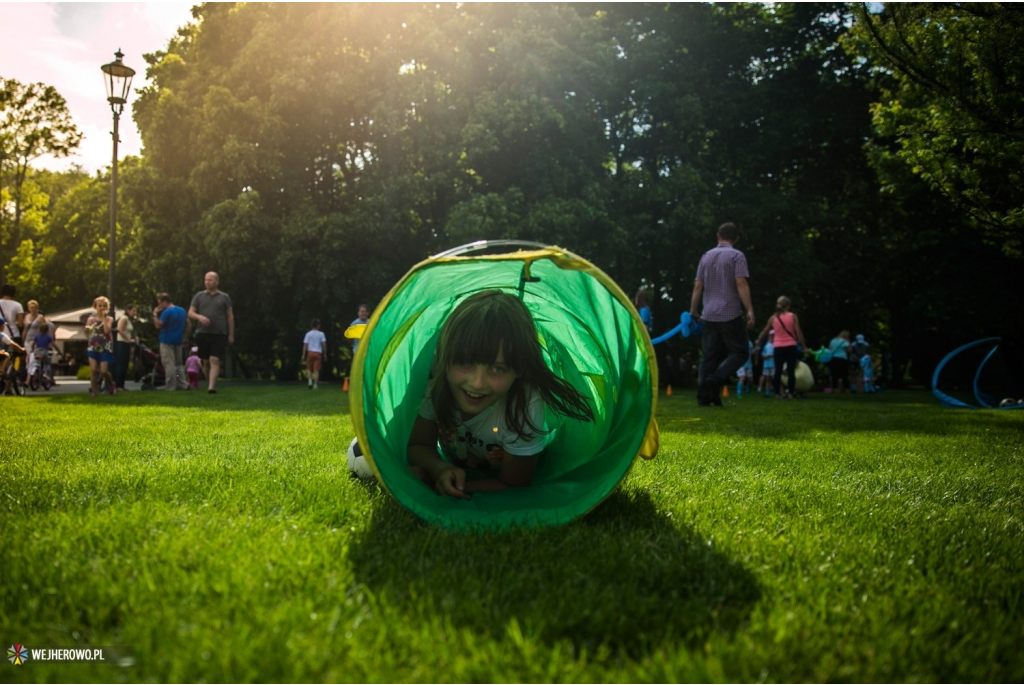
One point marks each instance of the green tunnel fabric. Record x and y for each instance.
(591, 336)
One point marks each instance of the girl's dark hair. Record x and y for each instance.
(474, 332)
(643, 298)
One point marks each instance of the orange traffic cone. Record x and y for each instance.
(668, 391)
(725, 391)
(345, 386)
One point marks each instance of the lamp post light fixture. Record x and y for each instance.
(118, 80)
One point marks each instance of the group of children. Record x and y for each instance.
(41, 347)
(857, 353)
(746, 376)
(850, 364)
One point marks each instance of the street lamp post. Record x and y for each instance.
(118, 80)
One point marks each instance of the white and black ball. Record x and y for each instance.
(357, 462)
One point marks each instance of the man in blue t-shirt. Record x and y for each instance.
(174, 326)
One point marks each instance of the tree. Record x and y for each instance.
(312, 153)
(72, 255)
(953, 103)
(326, 147)
(34, 120)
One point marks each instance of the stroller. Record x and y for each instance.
(153, 370)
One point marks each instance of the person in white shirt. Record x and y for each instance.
(314, 352)
(7, 345)
(12, 312)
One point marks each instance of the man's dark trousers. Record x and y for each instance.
(726, 348)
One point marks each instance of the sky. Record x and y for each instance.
(64, 44)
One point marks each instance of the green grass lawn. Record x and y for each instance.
(221, 538)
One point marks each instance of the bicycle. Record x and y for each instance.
(15, 386)
(43, 376)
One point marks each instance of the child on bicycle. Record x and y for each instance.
(41, 350)
(7, 345)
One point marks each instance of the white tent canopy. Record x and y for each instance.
(69, 325)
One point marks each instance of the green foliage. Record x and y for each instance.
(31, 266)
(67, 265)
(312, 153)
(34, 120)
(364, 145)
(952, 101)
(843, 538)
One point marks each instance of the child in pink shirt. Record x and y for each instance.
(193, 365)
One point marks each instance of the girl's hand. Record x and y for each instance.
(452, 482)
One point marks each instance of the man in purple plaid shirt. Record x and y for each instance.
(721, 285)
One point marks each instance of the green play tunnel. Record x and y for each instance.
(591, 336)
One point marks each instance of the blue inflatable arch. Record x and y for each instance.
(984, 401)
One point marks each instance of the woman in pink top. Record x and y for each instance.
(787, 336)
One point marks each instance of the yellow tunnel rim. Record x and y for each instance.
(562, 258)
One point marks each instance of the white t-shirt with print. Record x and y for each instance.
(483, 438)
(314, 341)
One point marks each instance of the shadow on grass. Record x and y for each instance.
(625, 577)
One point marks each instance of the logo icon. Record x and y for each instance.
(17, 654)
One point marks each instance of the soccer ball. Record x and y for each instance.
(357, 462)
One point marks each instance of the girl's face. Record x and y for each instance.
(476, 387)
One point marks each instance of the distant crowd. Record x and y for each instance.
(778, 362)
(27, 343)
(192, 343)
